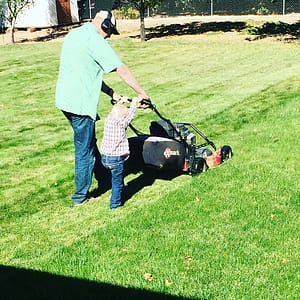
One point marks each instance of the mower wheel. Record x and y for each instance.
(226, 153)
(199, 166)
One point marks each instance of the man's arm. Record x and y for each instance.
(130, 80)
(110, 92)
(106, 89)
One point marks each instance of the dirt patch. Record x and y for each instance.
(132, 27)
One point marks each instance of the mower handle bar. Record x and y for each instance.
(146, 102)
(149, 104)
(153, 107)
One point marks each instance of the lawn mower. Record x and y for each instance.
(172, 146)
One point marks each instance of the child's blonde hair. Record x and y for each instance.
(119, 111)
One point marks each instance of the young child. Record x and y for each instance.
(115, 148)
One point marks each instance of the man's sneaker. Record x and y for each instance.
(81, 203)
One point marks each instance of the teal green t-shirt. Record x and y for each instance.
(85, 57)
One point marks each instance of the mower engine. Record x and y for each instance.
(173, 146)
(197, 158)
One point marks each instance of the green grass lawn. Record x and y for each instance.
(229, 233)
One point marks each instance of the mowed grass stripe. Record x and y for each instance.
(211, 236)
(221, 232)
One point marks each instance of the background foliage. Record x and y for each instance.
(228, 7)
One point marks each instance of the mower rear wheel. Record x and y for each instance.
(199, 166)
(226, 153)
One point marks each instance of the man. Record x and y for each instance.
(85, 57)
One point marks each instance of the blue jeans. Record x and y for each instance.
(116, 165)
(85, 147)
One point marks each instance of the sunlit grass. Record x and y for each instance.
(230, 233)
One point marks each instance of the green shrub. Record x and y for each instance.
(263, 11)
(126, 13)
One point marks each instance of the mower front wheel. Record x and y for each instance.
(199, 166)
(226, 153)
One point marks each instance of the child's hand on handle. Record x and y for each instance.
(124, 99)
(120, 99)
(116, 97)
(135, 101)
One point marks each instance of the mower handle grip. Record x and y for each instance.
(146, 102)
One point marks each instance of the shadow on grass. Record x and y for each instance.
(191, 28)
(52, 33)
(277, 29)
(17, 283)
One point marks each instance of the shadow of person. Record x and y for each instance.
(134, 165)
(102, 175)
(18, 283)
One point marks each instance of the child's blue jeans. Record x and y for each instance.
(116, 165)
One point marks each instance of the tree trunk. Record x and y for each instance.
(142, 20)
(12, 30)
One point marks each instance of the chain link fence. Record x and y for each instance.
(228, 7)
